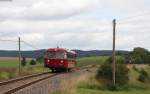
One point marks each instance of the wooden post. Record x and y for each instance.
(19, 55)
(113, 55)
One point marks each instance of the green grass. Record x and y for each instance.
(89, 85)
(8, 62)
(96, 60)
(13, 62)
(90, 91)
(134, 86)
(9, 67)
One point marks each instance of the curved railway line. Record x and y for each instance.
(14, 85)
(11, 86)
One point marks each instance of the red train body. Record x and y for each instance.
(58, 59)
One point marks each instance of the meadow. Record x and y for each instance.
(9, 68)
(95, 60)
(87, 84)
(9, 62)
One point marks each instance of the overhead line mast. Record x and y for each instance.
(113, 54)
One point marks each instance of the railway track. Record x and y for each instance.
(12, 86)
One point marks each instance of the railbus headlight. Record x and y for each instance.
(61, 61)
(48, 60)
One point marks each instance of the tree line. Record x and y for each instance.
(138, 56)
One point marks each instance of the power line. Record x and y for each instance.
(132, 17)
(30, 45)
(9, 40)
(26, 43)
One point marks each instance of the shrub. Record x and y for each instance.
(32, 62)
(142, 78)
(143, 72)
(119, 60)
(104, 75)
(23, 61)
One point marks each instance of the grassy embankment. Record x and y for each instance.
(9, 68)
(87, 84)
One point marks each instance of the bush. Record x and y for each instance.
(144, 72)
(104, 75)
(142, 78)
(32, 62)
(119, 60)
(23, 61)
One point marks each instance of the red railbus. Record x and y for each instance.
(58, 59)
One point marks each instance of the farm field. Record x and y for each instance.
(13, 61)
(95, 60)
(9, 67)
(10, 62)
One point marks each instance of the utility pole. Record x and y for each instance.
(19, 55)
(113, 54)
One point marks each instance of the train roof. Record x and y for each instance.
(61, 49)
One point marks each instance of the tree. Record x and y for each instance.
(104, 73)
(119, 59)
(32, 62)
(147, 59)
(139, 55)
(23, 61)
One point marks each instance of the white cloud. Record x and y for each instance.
(75, 23)
(48, 9)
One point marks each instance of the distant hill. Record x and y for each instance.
(39, 53)
(81, 53)
(33, 54)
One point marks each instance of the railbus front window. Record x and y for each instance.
(54, 54)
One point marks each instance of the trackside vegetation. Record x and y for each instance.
(9, 67)
(132, 76)
(88, 84)
(104, 76)
(133, 73)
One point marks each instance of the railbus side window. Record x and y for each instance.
(71, 56)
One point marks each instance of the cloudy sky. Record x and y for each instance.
(75, 24)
